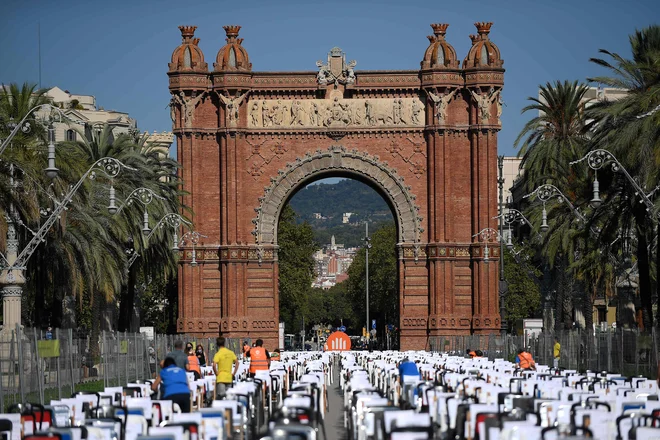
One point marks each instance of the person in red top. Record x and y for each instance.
(259, 358)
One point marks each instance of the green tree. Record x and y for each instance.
(296, 267)
(555, 136)
(523, 298)
(333, 307)
(84, 254)
(548, 142)
(383, 280)
(630, 129)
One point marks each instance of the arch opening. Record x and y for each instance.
(331, 293)
(338, 162)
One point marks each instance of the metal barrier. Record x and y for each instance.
(626, 351)
(37, 367)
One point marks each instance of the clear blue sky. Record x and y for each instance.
(119, 50)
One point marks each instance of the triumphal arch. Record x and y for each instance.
(425, 139)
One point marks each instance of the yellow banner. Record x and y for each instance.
(48, 348)
(123, 347)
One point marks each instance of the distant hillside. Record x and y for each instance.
(331, 201)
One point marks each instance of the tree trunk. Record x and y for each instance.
(98, 307)
(127, 302)
(644, 268)
(559, 300)
(657, 270)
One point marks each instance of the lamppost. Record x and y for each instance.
(503, 286)
(144, 196)
(193, 237)
(25, 127)
(488, 235)
(12, 276)
(512, 216)
(174, 221)
(597, 159)
(545, 193)
(367, 246)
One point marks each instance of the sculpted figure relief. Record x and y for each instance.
(187, 105)
(232, 105)
(484, 100)
(441, 103)
(254, 114)
(415, 111)
(336, 112)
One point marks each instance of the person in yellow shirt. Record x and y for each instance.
(222, 362)
(556, 352)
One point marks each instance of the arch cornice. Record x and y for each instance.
(339, 159)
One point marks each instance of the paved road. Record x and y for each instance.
(334, 419)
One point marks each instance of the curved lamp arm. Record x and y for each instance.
(109, 166)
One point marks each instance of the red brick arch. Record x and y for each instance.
(338, 160)
(426, 139)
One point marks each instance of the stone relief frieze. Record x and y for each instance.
(337, 112)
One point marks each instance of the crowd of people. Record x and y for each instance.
(173, 378)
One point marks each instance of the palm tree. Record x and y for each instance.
(630, 129)
(548, 143)
(84, 253)
(553, 138)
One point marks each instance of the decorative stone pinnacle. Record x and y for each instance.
(483, 27)
(231, 31)
(474, 38)
(440, 29)
(195, 41)
(187, 32)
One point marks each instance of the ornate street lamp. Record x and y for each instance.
(142, 195)
(597, 159)
(192, 237)
(545, 193)
(174, 221)
(488, 235)
(367, 246)
(25, 126)
(512, 216)
(12, 276)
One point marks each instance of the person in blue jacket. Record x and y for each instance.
(408, 371)
(408, 377)
(173, 383)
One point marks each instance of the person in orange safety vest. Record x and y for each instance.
(525, 360)
(259, 358)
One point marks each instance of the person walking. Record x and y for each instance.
(246, 349)
(173, 382)
(525, 361)
(259, 358)
(556, 353)
(222, 367)
(180, 358)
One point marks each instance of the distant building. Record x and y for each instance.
(84, 116)
(317, 215)
(162, 141)
(346, 218)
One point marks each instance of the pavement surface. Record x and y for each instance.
(334, 418)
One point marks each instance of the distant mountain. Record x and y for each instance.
(331, 201)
